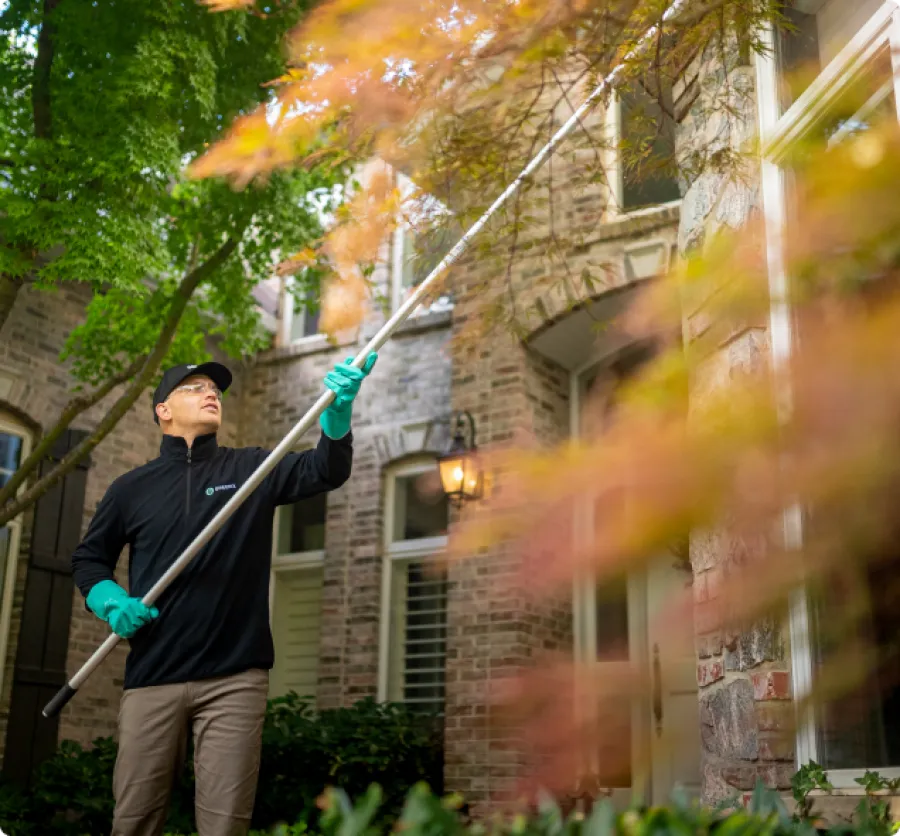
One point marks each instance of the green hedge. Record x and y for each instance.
(303, 752)
(425, 814)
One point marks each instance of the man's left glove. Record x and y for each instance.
(344, 380)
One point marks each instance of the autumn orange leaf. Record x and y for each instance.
(228, 5)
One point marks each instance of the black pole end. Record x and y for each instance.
(63, 695)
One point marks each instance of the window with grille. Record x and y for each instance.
(414, 590)
(419, 642)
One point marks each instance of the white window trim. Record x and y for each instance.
(11, 427)
(777, 134)
(402, 551)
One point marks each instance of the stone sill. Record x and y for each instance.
(320, 344)
(634, 225)
(306, 347)
(839, 806)
(425, 321)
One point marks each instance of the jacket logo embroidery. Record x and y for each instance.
(211, 491)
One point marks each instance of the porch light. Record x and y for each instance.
(461, 477)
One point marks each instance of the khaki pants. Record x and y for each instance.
(227, 716)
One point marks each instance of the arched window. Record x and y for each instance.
(15, 445)
(413, 642)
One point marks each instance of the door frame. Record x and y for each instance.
(584, 617)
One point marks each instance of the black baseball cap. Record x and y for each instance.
(216, 372)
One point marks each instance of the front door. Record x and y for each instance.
(643, 666)
(632, 629)
(674, 701)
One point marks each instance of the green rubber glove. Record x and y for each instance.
(126, 615)
(344, 381)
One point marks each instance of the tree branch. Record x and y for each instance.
(6, 162)
(152, 362)
(72, 410)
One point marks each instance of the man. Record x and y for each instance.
(200, 658)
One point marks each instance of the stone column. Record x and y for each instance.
(742, 669)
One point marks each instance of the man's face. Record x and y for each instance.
(193, 406)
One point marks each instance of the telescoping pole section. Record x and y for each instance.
(306, 422)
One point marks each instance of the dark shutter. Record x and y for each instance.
(40, 668)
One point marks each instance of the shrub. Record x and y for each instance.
(303, 752)
(424, 814)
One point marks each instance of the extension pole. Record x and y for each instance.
(69, 690)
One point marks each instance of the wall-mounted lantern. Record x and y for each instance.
(461, 476)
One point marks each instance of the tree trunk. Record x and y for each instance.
(9, 290)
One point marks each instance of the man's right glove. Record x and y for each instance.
(107, 600)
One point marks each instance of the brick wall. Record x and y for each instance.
(37, 388)
(496, 626)
(408, 388)
(499, 626)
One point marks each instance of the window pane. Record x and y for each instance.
(423, 249)
(302, 526)
(612, 620)
(311, 324)
(10, 455)
(420, 507)
(647, 148)
(866, 104)
(304, 323)
(816, 31)
(614, 757)
(858, 713)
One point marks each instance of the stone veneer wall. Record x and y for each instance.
(742, 669)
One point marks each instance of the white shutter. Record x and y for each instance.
(419, 636)
(296, 622)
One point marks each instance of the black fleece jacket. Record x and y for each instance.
(214, 618)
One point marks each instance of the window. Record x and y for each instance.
(817, 30)
(419, 244)
(301, 527)
(414, 589)
(416, 254)
(831, 79)
(642, 134)
(298, 321)
(15, 445)
(296, 596)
